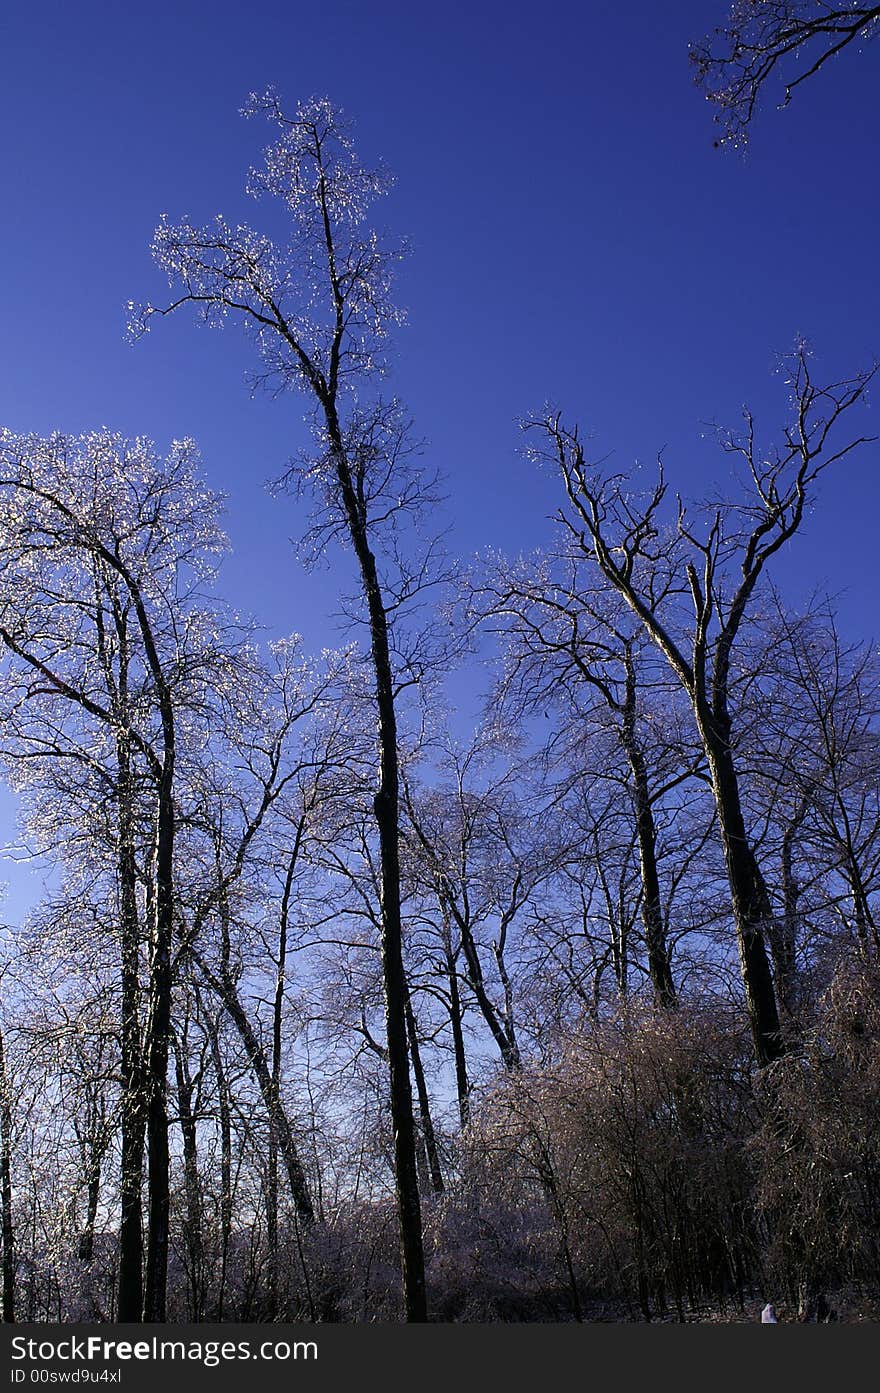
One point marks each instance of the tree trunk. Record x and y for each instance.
(131, 1242)
(277, 1024)
(752, 910)
(224, 1108)
(659, 966)
(386, 806)
(462, 1083)
(8, 1231)
(272, 1222)
(93, 1195)
(783, 933)
(428, 1135)
(862, 916)
(192, 1189)
(157, 1057)
(275, 1110)
(507, 1046)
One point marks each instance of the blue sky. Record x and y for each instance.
(574, 236)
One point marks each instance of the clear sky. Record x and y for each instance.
(574, 236)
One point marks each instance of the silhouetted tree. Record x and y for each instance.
(791, 39)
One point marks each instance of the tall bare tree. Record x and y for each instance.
(718, 572)
(320, 312)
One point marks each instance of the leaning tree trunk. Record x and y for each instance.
(429, 1136)
(279, 1123)
(275, 1110)
(495, 1020)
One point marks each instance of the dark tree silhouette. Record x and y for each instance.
(763, 39)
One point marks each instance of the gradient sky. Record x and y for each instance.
(575, 236)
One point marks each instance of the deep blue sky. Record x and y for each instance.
(574, 236)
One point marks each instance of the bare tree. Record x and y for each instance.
(251, 796)
(567, 649)
(763, 39)
(104, 551)
(482, 860)
(320, 314)
(816, 747)
(718, 573)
